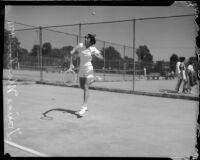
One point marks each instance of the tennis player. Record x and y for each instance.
(86, 72)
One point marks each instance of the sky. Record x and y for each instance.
(163, 37)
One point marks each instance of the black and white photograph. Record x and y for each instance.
(101, 81)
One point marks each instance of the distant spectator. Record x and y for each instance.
(172, 74)
(178, 75)
(192, 80)
(181, 75)
(145, 72)
(169, 74)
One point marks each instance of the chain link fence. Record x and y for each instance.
(43, 53)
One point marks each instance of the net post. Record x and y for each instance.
(40, 52)
(133, 54)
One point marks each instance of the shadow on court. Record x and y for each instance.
(73, 112)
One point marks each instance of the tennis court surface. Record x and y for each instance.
(116, 124)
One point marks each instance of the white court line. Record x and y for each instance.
(180, 158)
(26, 149)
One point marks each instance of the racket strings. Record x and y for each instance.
(70, 74)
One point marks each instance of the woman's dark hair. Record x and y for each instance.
(182, 59)
(92, 38)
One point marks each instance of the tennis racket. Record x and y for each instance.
(70, 75)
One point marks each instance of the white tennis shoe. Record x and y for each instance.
(95, 79)
(98, 78)
(82, 111)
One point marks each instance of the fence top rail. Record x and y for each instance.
(176, 16)
(26, 29)
(20, 23)
(117, 21)
(61, 32)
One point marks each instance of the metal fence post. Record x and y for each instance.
(41, 64)
(38, 51)
(104, 60)
(80, 32)
(124, 64)
(133, 54)
(77, 41)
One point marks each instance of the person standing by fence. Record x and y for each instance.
(145, 72)
(192, 80)
(178, 75)
(181, 75)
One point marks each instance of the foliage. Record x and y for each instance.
(35, 50)
(112, 56)
(144, 54)
(6, 41)
(46, 48)
(10, 40)
(11, 48)
(144, 57)
(173, 61)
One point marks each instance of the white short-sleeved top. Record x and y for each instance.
(178, 67)
(190, 67)
(86, 55)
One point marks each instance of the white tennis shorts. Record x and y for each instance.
(87, 72)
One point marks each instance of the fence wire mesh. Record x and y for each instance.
(43, 53)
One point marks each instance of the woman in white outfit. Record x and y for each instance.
(86, 72)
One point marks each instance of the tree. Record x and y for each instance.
(159, 67)
(35, 50)
(112, 57)
(144, 54)
(6, 41)
(65, 52)
(46, 49)
(11, 48)
(55, 52)
(97, 63)
(15, 47)
(22, 52)
(11, 41)
(128, 63)
(144, 57)
(173, 61)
